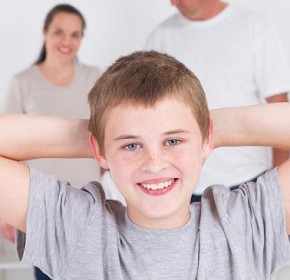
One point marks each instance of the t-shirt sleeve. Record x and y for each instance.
(57, 218)
(255, 213)
(271, 64)
(13, 100)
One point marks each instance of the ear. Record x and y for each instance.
(100, 158)
(208, 142)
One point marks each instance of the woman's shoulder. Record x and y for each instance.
(26, 74)
(88, 70)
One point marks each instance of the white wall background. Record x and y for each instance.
(114, 28)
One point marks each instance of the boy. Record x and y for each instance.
(150, 126)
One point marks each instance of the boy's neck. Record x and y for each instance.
(166, 223)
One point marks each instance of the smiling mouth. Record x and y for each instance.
(158, 188)
(64, 50)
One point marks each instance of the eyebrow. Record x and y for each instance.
(56, 27)
(128, 136)
(176, 131)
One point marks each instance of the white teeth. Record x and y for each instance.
(158, 186)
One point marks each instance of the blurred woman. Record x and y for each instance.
(57, 84)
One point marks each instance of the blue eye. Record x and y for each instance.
(172, 142)
(132, 147)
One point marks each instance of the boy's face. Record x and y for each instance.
(155, 156)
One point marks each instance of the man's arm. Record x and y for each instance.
(279, 156)
(26, 137)
(261, 125)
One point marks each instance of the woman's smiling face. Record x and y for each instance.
(63, 36)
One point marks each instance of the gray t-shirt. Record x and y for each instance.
(77, 234)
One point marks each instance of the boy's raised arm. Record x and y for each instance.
(26, 137)
(261, 125)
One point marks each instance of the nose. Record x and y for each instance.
(66, 39)
(154, 162)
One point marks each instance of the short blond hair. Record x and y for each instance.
(144, 78)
